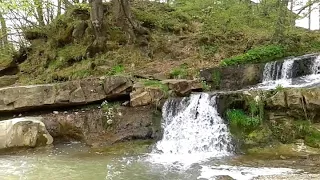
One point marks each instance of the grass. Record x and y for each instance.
(180, 72)
(238, 118)
(257, 55)
(156, 84)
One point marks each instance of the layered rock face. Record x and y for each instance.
(24, 132)
(63, 94)
(104, 126)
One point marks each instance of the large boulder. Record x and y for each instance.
(63, 94)
(24, 132)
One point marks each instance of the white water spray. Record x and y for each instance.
(277, 74)
(193, 132)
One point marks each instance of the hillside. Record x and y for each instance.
(182, 39)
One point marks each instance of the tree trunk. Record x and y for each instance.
(4, 30)
(96, 16)
(67, 4)
(59, 8)
(124, 19)
(309, 18)
(281, 22)
(39, 9)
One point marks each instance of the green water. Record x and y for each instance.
(78, 162)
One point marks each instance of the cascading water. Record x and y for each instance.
(193, 131)
(278, 72)
(281, 74)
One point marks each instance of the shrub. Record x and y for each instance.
(257, 55)
(239, 119)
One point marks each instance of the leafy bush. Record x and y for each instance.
(239, 119)
(257, 55)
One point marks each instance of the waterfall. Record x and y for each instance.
(316, 66)
(282, 73)
(193, 131)
(278, 71)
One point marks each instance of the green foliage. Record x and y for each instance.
(6, 54)
(180, 72)
(306, 131)
(205, 86)
(170, 20)
(239, 119)
(279, 88)
(257, 55)
(117, 70)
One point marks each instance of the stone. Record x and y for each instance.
(72, 93)
(278, 100)
(146, 96)
(24, 132)
(233, 77)
(7, 80)
(92, 127)
(183, 87)
(117, 85)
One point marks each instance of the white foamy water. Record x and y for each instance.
(193, 133)
(240, 173)
(276, 74)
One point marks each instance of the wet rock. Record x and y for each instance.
(24, 132)
(71, 93)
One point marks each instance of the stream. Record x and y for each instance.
(76, 161)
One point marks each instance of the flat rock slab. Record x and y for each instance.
(24, 132)
(18, 98)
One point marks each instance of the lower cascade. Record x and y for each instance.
(193, 131)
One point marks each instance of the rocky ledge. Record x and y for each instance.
(22, 98)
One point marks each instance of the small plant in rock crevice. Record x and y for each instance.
(109, 110)
(205, 86)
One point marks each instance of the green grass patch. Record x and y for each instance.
(156, 84)
(238, 118)
(180, 72)
(257, 55)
